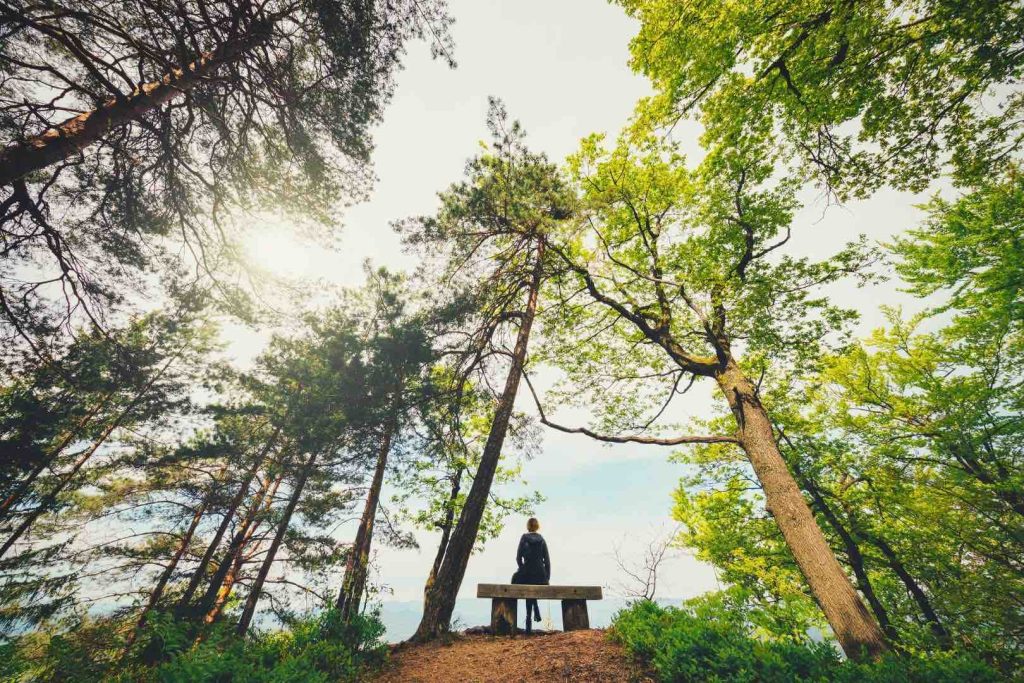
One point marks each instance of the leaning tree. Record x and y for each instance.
(489, 234)
(674, 275)
(131, 132)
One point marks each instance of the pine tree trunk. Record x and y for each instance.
(236, 501)
(857, 633)
(264, 499)
(240, 558)
(446, 531)
(47, 502)
(257, 587)
(77, 133)
(440, 599)
(354, 583)
(231, 577)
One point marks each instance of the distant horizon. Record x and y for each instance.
(472, 612)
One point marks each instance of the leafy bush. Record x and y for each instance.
(707, 640)
(321, 649)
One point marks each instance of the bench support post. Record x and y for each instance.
(574, 615)
(503, 616)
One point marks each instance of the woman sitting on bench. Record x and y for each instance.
(534, 565)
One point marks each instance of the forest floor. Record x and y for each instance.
(540, 658)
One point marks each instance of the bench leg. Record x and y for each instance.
(503, 616)
(574, 615)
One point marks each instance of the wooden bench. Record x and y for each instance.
(504, 597)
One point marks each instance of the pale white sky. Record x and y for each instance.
(561, 68)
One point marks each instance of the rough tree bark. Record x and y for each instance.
(257, 587)
(440, 598)
(354, 583)
(854, 628)
(77, 133)
(853, 554)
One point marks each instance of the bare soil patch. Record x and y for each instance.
(541, 658)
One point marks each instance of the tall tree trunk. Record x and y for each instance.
(354, 583)
(77, 133)
(26, 484)
(446, 530)
(240, 558)
(264, 499)
(257, 587)
(913, 587)
(48, 500)
(857, 632)
(168, 572)
(232, 575)
(200, 572)
(853, 553)
(440, 599)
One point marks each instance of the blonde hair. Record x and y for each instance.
(532, 524)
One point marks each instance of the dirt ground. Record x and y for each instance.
(586, 656)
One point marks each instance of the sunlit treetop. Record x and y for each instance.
(133, 133)
(860, 94)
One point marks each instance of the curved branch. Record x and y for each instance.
(649, 440)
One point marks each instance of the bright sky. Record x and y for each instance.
(561, 68)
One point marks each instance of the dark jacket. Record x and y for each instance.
(533, 560)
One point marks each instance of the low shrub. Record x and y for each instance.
(323, 649)
(320, 649)
(706, 640)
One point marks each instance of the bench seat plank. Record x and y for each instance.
(525, 591)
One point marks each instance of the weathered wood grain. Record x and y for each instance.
(523, 591)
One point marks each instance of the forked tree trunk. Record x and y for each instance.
(257, 587)
(854, 628)
(50, 498)
(440, 598)
(446, 530)
(168, 572)
(241, 556)
(232, 576)
(216, 589)
(233, 505)
(75, 134)
(354, 583)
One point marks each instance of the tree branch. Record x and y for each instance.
(649, 440)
